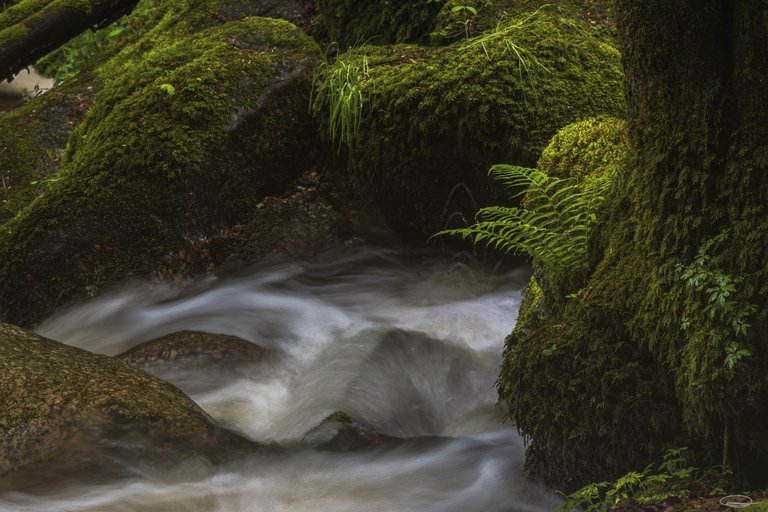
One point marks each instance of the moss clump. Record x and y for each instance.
(148, 169)
(587, 149)
(351, 22)
(433, 118)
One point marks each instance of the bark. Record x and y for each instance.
(29, 29)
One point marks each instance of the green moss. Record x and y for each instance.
(351, 23)
(339, 417)
(455, 22)
(13, 33)
(146, 169)
(587, 149)
(436, 117)
(593, 403)
(35, 135)
(17, 19)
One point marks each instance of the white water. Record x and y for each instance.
(411, 348)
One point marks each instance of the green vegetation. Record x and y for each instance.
(670, 309)
(435, 117)
(672, 478)
(146, 171)
(85, 51)
(34, 137)
(716, 321)
(578, 393)
(339, 89)
(552, 227)
(467, 18)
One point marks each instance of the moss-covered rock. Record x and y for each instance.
(467, 18)
(191, 129)
(197, 362)
(432, 118)
(354, 22)
(587, 149)
(593, 405)
(60, 403)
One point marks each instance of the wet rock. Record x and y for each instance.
(193, 350)
(196, 361)
(339, 432)
(60, 404)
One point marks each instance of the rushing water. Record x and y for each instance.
(409, 344)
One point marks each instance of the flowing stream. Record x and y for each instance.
(408, 343)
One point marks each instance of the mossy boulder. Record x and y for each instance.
(433, 119)
(592, 404)
(354, 22)
(188, 133)
(66, 405)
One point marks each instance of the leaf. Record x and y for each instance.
(168, 88)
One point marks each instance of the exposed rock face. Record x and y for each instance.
(56, 400)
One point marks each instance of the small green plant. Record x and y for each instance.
(168, 88)
(337, 88)
(671, 477)
(716, 291)
(715, 321)
(552, 225)
(469, 12)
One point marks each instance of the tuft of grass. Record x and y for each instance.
(506, 35)
(337, 88)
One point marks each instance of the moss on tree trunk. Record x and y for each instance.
(692, 202)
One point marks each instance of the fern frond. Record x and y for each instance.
(553, 224)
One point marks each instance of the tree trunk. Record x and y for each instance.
(29, 29)
(696, 84)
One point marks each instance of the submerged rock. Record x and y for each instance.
(339, 432)
(196, 361)
(61, 403)
(193, 350)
